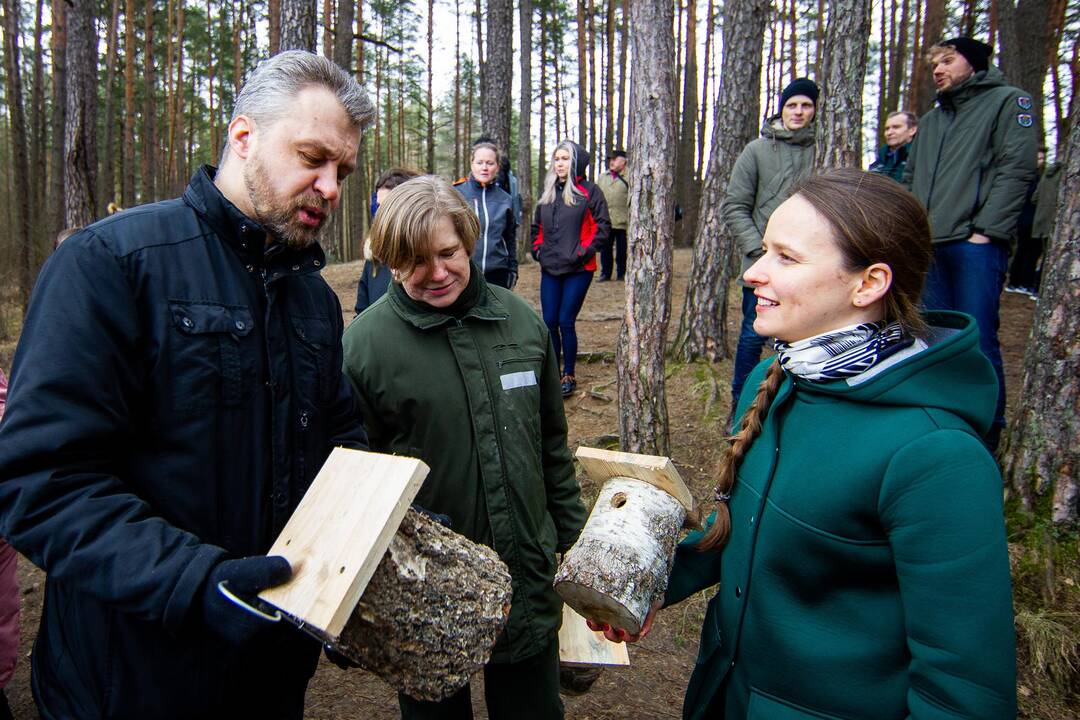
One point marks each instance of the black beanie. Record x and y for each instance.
(975, 52)
(799, 86)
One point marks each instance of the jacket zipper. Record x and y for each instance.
(487, 224)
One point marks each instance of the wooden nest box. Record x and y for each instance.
(620, 563)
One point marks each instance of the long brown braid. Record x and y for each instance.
(873, 220)
(739, 443)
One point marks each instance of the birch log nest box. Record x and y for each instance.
(621, 561)
(408, 599)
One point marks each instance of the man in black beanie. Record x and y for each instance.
(762, 178)
(970, 165)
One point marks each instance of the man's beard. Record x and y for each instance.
(281, 219)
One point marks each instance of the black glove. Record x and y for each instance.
(512, 280)
(338, 659)
(535, 252)
(244, 578)
(443, 520)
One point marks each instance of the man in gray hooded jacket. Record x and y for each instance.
(762, 178)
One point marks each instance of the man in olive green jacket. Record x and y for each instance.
(970, 165)
(762, 178)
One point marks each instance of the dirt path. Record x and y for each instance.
(660, 667)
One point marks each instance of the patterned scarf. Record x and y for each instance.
(842, 353)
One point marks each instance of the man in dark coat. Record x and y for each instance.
(175, 390)
(970, 166)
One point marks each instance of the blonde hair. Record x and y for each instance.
(570, 191)
(405, 225)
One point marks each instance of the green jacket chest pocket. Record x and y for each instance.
(212, 357)
(518, 371)
(315, 372)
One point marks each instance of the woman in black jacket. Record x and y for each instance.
(496, 248)
(570, 225)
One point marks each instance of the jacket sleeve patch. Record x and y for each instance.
(1025, 119)
(526, 378)
(1024, 102)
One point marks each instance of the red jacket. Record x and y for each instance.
(565, 237)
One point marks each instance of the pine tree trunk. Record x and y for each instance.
(1041, 454)
(58, 45)
(620, 124)
(80, 131)
(839, 130)
(686, 185)
(149, 139)
(20, 165)
(38, 138)
(298, 21)
(923, 90)
(643, 419)
(328, 30)
(591, 50)
(541, 153)
(702, 328)
(583, 78)
(273, 11)
(106, 190)
(127, 180)
(609, 80)
(430, 109)
(456, 172)
(706, 72)
(481, 62)
(524, 149)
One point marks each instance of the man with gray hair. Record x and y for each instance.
(900, 129)
(175, 390)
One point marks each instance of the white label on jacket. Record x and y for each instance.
(518, 379)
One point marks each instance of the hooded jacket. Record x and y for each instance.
(973, 158)
(1046, 197)
(175, 390)
(473, 390)
(891, 163)
(566, 238)
(496, 248)
(762, 178)
(867, 574)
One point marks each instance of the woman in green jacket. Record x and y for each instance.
(858, 542)
(462, 374)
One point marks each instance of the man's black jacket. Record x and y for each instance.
(176, 388)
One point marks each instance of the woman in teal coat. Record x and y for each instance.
(858, 542)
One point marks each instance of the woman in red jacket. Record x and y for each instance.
(570, 226)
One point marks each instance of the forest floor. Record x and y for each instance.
(698, 404)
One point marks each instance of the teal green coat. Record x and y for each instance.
(475, 394)
(867, 574)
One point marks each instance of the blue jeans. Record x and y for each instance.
(968, 278)
(561, 298)
(748, 352)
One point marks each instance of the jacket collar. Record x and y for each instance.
(245, 236)
(774, 129)
(971, 87)
(484, 304)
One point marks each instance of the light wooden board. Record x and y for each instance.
(578, 645)
(340, 532)
(656, 470)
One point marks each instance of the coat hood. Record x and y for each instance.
(581, 159)
(773, 129)
(977, 83)
(950, 375)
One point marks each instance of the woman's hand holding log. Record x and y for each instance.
(615, 634)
